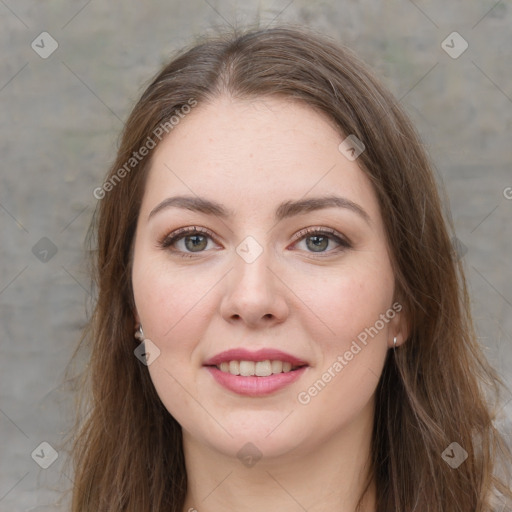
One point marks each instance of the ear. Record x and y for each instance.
(399, 325)
(136, 319)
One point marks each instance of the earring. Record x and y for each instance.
(394, 343)
(139, 333)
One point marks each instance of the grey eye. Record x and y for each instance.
(195, 243)
(317, 243)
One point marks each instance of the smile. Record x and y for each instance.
(256, 368)
(255, 373)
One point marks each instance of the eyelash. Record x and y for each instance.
(181, 233)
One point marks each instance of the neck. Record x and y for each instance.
(329, 475)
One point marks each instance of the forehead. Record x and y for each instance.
(255, 152)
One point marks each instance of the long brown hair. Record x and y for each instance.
(435, 389)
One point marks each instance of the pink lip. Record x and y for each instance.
(241, 354)
(255, 386)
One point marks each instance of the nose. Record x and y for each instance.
(254, 296)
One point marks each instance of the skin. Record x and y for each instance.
(250, 156)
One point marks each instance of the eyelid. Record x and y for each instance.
(178, 234)
(341, 239)
(343, 242)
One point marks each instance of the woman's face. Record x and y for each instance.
(275, 264)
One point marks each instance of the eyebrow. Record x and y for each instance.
(285, 210)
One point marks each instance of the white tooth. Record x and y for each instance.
(259, 368)
(246, 368)
(263, 368)
(234, 367)
(277, 366)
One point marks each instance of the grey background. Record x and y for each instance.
(61, 117)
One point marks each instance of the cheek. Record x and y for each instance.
(171, 302)
(348, 301)
(175, 308)
(351, 357)
(352, 343)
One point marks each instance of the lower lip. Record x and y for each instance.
(255, 386)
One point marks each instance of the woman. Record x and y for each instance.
(281, 321)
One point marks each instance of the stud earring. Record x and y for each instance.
(139, 333)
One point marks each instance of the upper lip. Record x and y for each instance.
(241, 354)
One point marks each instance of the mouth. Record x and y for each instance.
(264, 368)
(255, 374)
